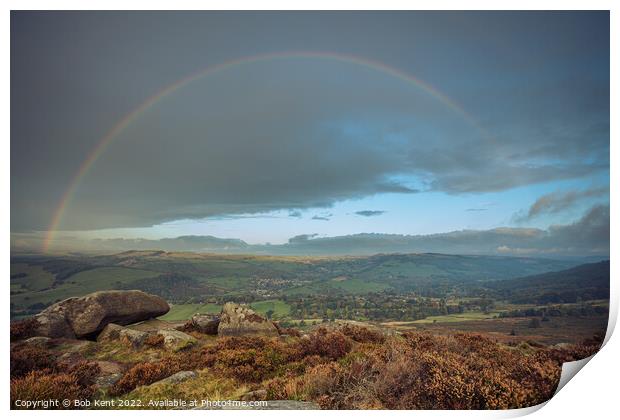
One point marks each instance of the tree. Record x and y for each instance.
(269, 313)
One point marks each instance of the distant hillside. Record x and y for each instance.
(523, 242)
(40, 280)
(584, 282)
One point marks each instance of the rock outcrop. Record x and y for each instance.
(53, 324)
(41, 342)
(109, 373)
(176, 340)
(206, 323)
(153, 325)
(136, 335)
(238, 320)
(131, 337)
(111, 332)
(88, 315)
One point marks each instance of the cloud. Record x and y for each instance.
(295, 133)
(294, 213)
(474, 209)
(302, 238)
(243, 216)
(370, 213)
(587, 236)
(323, 218)
(559, 201)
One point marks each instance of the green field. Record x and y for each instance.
(357, 286)
(36, 278)
(186, 310)
(38, 281)
(466, 316)
(227, 283)
(82, 283)
(280, 308)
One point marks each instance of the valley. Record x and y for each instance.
(497, 296)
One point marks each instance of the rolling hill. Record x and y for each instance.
(38, 281)
(584, 282)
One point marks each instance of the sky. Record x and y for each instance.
(268, 125)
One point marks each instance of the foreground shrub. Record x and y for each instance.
(422, 371)
(144, 373)
(23, 329)
(75, 382)
(85, 373)
(25, 359)
(323, 342)
(244, 359)
(293, 332)
(351, 368)
(250, 365)
(249, 359)
(187, 327)
(155, 340)
(205, 386)
(361, 334)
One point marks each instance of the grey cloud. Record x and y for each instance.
(587, 236)
(476, 209)
(370, 213)
(559, 201)
(301, 238)
(295, 213)
(298, 133)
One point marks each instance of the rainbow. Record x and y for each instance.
(113, 133)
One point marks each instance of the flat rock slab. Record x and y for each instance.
(176, 340)
(271, 405)
(132, 337)
(86, 316)
(153, 325)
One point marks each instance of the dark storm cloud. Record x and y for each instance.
(370, 213)
(559, 201)
(299, 133)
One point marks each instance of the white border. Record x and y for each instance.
(592, 395)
